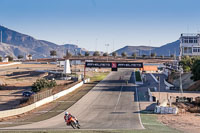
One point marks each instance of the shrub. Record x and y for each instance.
(137, 76)
(42, 83)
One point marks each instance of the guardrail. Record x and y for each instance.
(168, 84)
(154, 77)
(165, 73)
(18, 111)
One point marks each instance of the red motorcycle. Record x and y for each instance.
(73, 122)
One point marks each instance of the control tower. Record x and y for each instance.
(189, 44)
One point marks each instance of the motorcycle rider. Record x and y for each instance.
(67, 118)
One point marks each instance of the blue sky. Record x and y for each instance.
(93, 23)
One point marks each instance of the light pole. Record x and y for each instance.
(181, 86)
(107, 45)
(1, 37)
(75, 62)
(96, 44)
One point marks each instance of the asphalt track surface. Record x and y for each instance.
(111, 104)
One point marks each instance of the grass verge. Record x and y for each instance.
(137, 76)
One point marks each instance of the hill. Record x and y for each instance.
(166, 50)
(140, 50)
(15, 43)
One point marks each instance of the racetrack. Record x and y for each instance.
(112, 104)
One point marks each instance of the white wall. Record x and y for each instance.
(13, 112)
(14, 63)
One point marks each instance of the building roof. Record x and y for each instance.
(190, 34)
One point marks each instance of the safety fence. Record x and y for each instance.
(18, 111)
(41, 95)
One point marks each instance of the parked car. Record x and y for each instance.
(27, 93)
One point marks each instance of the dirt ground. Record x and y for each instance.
(186, 122)
(54, 108)
(16, 79)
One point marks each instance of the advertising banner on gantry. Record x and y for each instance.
(114, 64)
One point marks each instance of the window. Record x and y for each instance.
(195, 49)
(185, 41)
(187, 50)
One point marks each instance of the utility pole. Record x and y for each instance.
(107, 45)
(96, 44)
(150, 48)
(1, 36)
(75, 62)
(181, 86)
(175, 54)
(113, 46)
(159, 88)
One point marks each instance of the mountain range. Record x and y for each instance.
(15, 43)
(165, 50)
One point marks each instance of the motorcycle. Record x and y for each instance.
(74, 123)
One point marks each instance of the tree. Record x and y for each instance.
(187, 62)
(0, 59)
(114, 54)
(134, 55)
(20, 56)
(196, 70)
(10, 58)
(123, 54)
(96, 53)
(143, 56)
(53, 53)
(105, 54)
(42, 83)
(87, 53)
(29, 56)
(79, 54)
(162, 56)
(173, 56)
(68, 54)
(153, 55)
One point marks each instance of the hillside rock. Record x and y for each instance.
(139, 50)
(168, 49)
(15, 43)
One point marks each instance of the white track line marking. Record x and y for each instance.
(139, 108)
(118, 99)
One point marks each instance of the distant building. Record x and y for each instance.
(189, 44)
(28, 57)
(5, 59)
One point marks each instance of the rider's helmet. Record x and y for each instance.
(66, 113)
